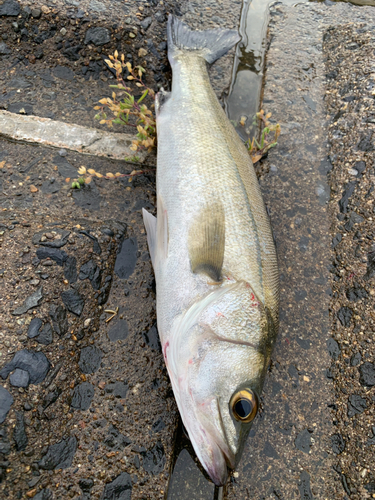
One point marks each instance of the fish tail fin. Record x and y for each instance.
(211, 44)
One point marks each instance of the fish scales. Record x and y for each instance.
(201, 159)
(213, 255)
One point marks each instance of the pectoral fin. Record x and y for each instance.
(207, 242)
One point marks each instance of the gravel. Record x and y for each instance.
(303, 441)
(367, 374)
(73, 301)
(59, 455)
(6, 401)
(19, 378)
(34, 327)
(70, 269)
(10, 8)
(82, 396)
(97, 36)
(45, 336)
(19, 433)
(90, 359)
(118, 330)
(59, 319)
(32, 301)
(348, 51)
(118, 489)
(59, 256)
(35, 363)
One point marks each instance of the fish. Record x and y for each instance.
(213, 255)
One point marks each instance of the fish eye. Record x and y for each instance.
(244, 405)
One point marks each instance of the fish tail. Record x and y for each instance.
(211, 44)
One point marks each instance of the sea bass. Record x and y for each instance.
(213, 254)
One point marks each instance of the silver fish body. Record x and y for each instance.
(213, 255)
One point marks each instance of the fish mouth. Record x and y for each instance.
(228, 455)
(217, 468)
(215, 455)
(222, 457)
(219, 477)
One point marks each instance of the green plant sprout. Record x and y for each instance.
(125, 108)
(268, 138)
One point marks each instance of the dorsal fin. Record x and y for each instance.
(207, 241)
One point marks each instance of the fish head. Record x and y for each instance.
(220, 366)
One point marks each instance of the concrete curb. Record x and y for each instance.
(85, 140)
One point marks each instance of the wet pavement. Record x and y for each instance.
(87, 409)
(294, 442)
(82, 263)
(98, 420)
(287, 455)
(350, 103)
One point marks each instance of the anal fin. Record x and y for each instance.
(150, 223)
(157, 232)
(207, 242)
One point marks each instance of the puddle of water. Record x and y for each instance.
(189, 481)
(126, 258)
(248, 68)
(246, 88)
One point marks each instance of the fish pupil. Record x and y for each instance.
(243, 408)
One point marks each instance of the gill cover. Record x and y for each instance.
(217, 360)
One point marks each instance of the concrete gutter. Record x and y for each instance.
(85, 140)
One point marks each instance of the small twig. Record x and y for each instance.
(110, 311)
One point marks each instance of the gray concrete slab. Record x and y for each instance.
(52, 133)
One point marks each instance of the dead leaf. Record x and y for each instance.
(256, 158)
(2, 163)
(88, 179)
